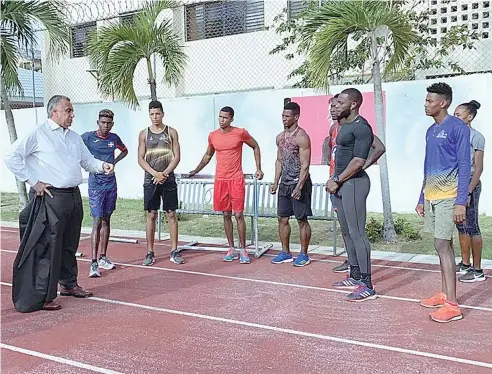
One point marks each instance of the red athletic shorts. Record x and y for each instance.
(229, 195)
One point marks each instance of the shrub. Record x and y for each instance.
(374, 230)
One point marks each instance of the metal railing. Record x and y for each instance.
(195, 196)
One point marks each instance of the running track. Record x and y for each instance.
(207, 316)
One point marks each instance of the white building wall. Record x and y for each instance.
(260, 113)
(223, 64)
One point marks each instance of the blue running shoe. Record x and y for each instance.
(348, 282)
(282, 257)
(362, 293)
(230, 256)
(302, 260)
(244, 258)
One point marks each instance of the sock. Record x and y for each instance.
(94, 261)
(102, 255)
(479, 271)
(355, 272)
(366, 279)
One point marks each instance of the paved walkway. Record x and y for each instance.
(325, 250)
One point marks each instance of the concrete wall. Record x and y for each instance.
(260, 113)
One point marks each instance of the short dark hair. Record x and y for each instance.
(155, 104)
(228, 109)
(106, 113)
(294, 107)
(334, 97)
(471, 107)
(442, 89)
(353, 94)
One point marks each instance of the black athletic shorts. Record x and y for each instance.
(154, 193)
(288, 206)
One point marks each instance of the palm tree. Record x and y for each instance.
(115, 51)
(386, 31)
(19, 21)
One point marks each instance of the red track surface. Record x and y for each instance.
(207, 316)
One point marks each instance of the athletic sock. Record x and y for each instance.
(94, 261)
(355, 272)
(366, 279)
(479, 271)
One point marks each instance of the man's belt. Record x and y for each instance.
(67, 189)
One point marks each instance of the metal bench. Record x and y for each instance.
(195, 196)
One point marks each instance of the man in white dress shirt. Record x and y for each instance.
(49, 159)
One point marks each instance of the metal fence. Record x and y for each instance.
(229, 46)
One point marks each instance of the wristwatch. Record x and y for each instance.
(336, 179)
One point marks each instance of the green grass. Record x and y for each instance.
(130, 215)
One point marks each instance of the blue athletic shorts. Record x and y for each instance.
(102, 202)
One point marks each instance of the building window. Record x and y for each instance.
(464, 17)
(485, 14)
(222, 18)
(444, 20)
(128, 18)
(433, 21)
(454, 8)
(485, 35)
(454, 19)
(485, 25)
(80, 36)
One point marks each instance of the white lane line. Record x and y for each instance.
(60, 360)
(263, 281)
(293, 332)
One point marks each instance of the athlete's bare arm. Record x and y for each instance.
(377, 150)
(326, 150)
(256, 150)
(278, 168)
(205, 160)
(121, 156)
(304, 143)
(176, 151)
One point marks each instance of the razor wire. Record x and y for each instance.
(229, 46)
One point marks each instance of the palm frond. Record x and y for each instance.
(9, 55)
(115, 50)
(168, 47)
(328, 30)
(117, 76)
(23, 18)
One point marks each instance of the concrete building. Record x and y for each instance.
(228, 46)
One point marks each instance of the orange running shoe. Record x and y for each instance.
(435, 301)
(447, 313)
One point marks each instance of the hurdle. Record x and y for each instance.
(194, 188)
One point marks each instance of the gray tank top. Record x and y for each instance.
(159, 153)
(289, 157)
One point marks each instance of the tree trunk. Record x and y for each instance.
(152, 82)
(389, 233)
(9, 117)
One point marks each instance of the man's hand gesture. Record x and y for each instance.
(42, 188)
(108, 168)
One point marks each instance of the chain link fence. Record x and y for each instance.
(236, 46)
